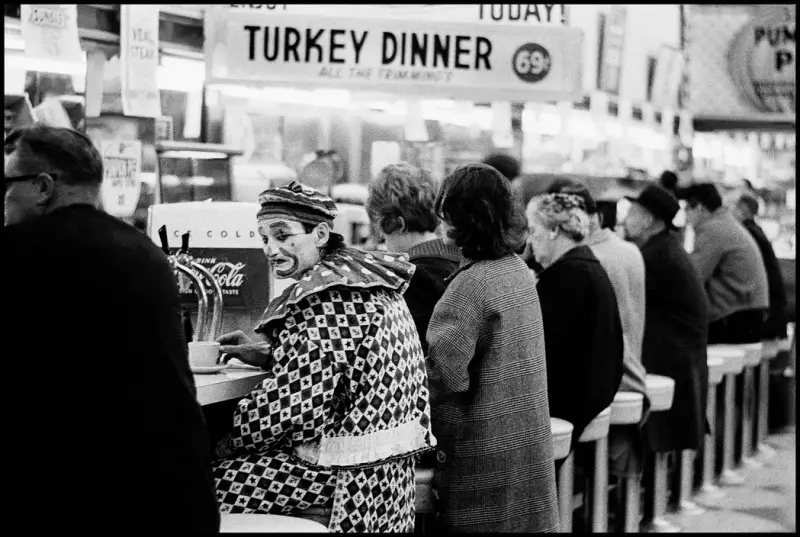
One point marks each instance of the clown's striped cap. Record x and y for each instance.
(298, 202)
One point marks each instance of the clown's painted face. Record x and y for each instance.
(289, 247)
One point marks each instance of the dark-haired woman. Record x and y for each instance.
(344, 408)
(494, 470)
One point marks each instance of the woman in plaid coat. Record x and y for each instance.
(495, 470)
(345, 406)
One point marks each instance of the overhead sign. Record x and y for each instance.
(524, 14)
(50, 32)
(741, 65)
(122, 164)
(467, 61)
(762, 64)
(612, 38)
(139, 59)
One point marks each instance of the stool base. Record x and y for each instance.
(764, 453)
(731, 478)
(751, 463)
(688, 508)
(659, 525)
(709, 493)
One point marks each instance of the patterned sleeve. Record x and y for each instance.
(292, 405)
(454, 331)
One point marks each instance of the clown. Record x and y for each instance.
(344, 410)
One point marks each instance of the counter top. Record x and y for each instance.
(226, 385)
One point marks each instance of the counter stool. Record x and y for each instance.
(259, 523)
(734, 363)
(660, 391)
(597, 432)
(708, 490)
(425, 503)
(561, 431)
(769, 352)
(682, 503)
(752, 359)
(627, 409)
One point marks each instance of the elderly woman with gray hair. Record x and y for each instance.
(582, 328)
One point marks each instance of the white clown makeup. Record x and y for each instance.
(290, 249)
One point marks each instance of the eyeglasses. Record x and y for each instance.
(19, 178)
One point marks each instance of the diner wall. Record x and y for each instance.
(647, 27)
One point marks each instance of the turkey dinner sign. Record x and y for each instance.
(444, 60)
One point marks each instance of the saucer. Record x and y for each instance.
(209, 370)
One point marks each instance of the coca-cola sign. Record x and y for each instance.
(761, 62)
(242, 274)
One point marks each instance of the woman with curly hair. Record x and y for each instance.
(582, 326)
(486, 363)
(401, 207)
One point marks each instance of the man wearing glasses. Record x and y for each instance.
(107, 429)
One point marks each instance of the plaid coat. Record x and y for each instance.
(345, 407)
(488, 380)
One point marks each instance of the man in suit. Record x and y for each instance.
(730, 267)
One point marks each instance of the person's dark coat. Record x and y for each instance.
(775, 325)
(675, 339)
(435, 261)
(583, 338)
(108, 433)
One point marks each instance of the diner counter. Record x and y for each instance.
(228, 384)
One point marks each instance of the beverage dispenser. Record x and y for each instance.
(218, 240)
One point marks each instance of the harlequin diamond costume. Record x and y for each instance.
(345, 408)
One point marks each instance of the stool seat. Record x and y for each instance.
(627, 408)
(660, 391)
(770, 349)
(597, 428)
(716, 370)
(259, 523)
(733, 358)
(752, 353)
(561, 431)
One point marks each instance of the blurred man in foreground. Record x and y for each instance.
(110, 434)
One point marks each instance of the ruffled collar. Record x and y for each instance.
(348, 267)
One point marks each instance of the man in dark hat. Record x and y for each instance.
(676, 321)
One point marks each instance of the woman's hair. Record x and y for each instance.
(486, 218)
(566, 212)
(505, 164)
(403, 190)
(335, 240)
(705, 194)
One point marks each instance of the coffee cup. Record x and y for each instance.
(203, 353)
